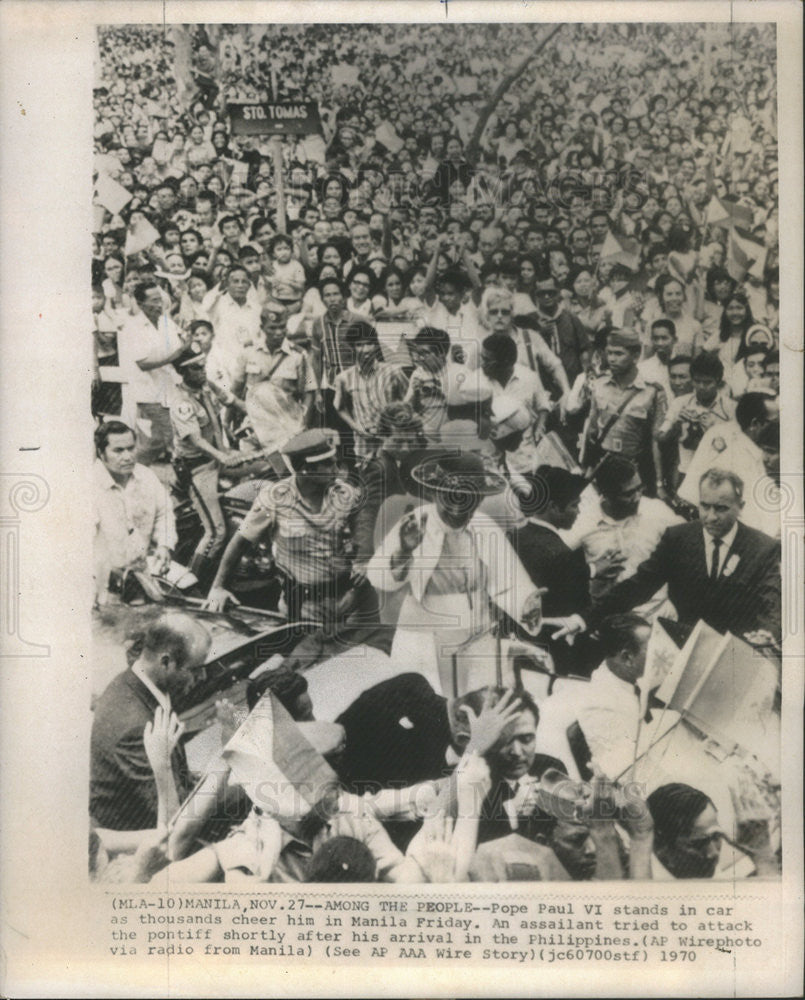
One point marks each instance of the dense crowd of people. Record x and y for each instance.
(493, 353)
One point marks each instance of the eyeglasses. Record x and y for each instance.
(361, 284)
(701, 843)
(500, 312)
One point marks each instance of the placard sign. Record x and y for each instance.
(275, 118)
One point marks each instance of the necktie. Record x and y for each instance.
(714, 569)
(508, 791)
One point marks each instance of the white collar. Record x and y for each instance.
(106, 480)
(160, 696)
(544, 524)
(609, 519)
(727, 541)
(604, 675)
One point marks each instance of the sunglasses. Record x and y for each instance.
(701, 843)
(500, 312)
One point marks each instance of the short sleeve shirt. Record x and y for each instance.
(641, 417)
(526, 387)
(308, 545)
(257, 364)
(194, 413)
(723, 408)
(371, 393)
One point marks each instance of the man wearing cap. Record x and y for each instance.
(275, 380)
(626, 412)
(307, 516)
(199, 451)
(453, 562)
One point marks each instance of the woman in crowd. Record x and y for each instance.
(584, 301)
(718, 288)
(672, 303)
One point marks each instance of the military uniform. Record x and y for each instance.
(312, 548)
(624, 420)
(195, 412)
(257, 363)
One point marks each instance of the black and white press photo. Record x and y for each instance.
(437, 502)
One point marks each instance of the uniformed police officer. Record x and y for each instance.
(626, 411)
(199, 451)
(307, 516)
(274, 377)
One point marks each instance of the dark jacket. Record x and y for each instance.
(743, 600)
(122, 792)
(551, 563)
(566, 336)
(397, 733)
(494, 821)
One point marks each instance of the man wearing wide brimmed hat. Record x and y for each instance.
(453, 562)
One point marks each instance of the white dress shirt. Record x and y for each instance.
(723, 551)
(130, 521)
(636, 536)
(140, 340)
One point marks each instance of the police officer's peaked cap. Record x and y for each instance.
(311, 446)
(191, 355)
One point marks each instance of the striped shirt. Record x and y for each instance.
(369, 394)
(308, 545)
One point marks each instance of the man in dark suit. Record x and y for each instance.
(514, 769)
(551, 504)
(123, 792)
(716, 569)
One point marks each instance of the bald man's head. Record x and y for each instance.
(173, 648)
